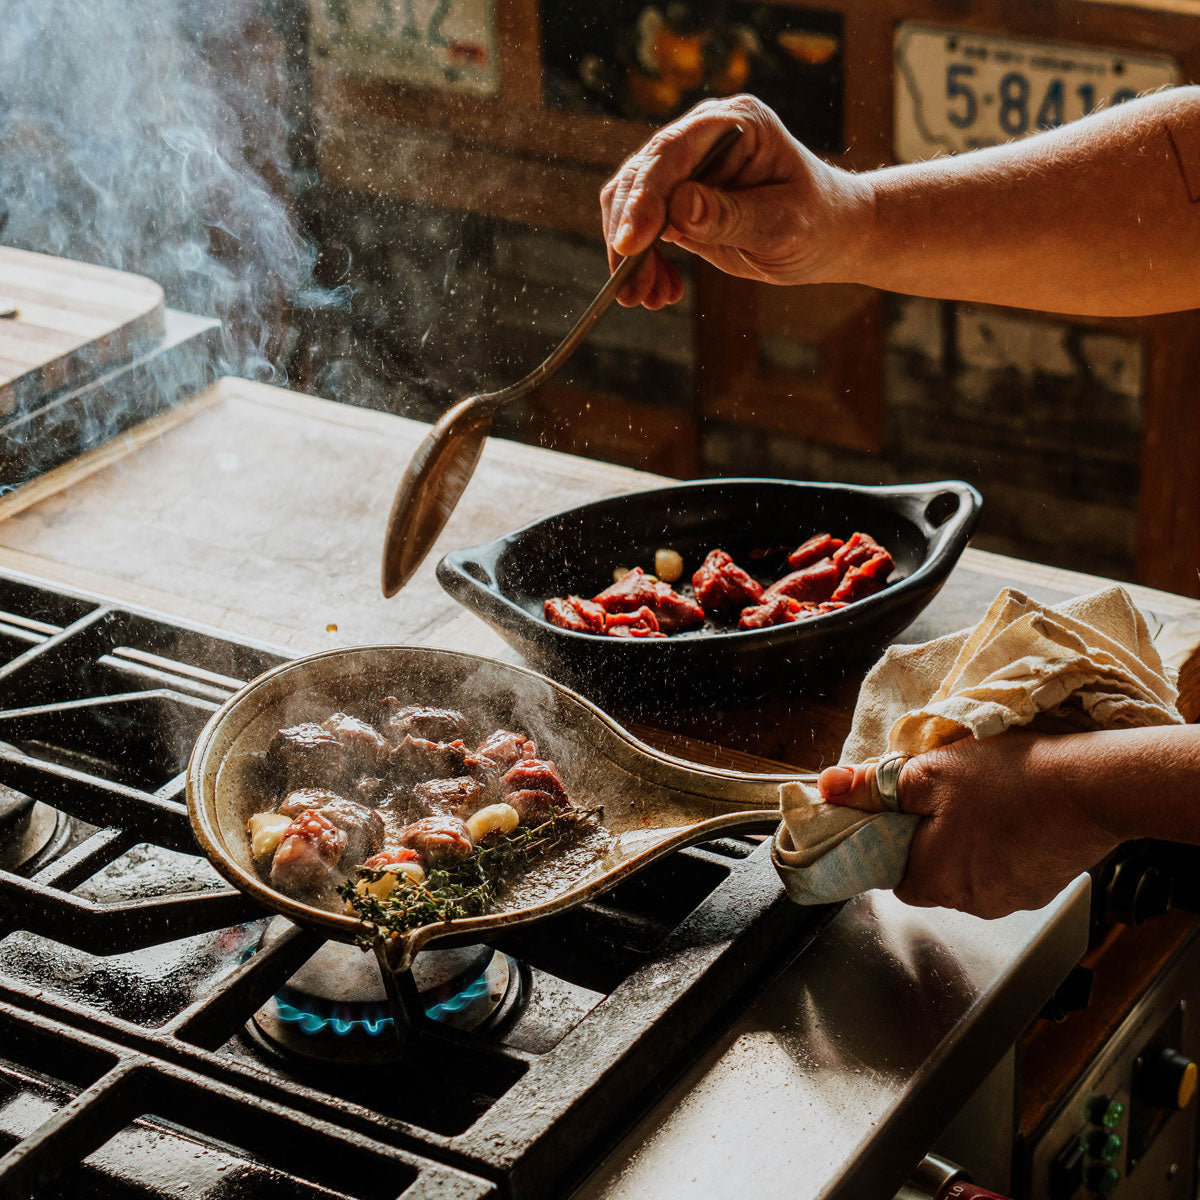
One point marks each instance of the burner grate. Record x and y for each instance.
(98, 709)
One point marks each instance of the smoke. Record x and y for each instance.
(152, 136)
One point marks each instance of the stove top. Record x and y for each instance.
(161, 1037)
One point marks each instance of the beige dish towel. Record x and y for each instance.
(1084, 664)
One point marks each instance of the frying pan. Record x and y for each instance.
(653, 803)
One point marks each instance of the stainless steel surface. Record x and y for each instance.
(444, 462)
(840, 1077)
(1166, 1168)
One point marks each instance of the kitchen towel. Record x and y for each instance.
(1087, 663)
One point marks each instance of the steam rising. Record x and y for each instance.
(152, 136)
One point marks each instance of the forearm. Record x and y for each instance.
(1134, 783)
(1096, 217)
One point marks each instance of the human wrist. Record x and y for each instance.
(854, 222)
(1079, 765)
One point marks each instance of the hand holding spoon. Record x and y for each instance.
(444, 462)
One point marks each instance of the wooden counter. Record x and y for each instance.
(261, 511)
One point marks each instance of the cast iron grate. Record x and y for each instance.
(130, 939)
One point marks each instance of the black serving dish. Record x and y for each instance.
(925, 526)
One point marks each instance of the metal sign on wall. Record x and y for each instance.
(958, 90)
(444, 44)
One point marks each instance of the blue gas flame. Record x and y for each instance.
(314, 1016)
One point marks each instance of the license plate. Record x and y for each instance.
(444, 44)
(957, 90)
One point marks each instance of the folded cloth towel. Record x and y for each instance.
(1087, 663)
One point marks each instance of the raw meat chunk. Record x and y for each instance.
(819, 546)
(642, 623)
(812, 583)
(865, 580)
(306, 754)
(535, 774)
(365, 747)
(675, 612)
(421, 721)
(778, 610)
(583, 616)
(534, 807)
(634, 591)
(859, 549)
(307, 853)
(361, 824)
(438, 839)
(721, 583)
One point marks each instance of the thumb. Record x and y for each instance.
(711, 215)
(854, 787)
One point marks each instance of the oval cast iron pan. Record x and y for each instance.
(653, 803)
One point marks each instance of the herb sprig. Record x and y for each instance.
(464, 889)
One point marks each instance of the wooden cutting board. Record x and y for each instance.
(72, 321)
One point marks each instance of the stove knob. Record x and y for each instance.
(1106, 1112)
(1167, 1079)
(1103, 1180)
(1103, 1145)
(1138, 892)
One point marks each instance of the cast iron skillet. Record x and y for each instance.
(925, 526)
(653, 803)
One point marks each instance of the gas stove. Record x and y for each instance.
(160, 1036)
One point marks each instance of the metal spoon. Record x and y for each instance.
(444, 462)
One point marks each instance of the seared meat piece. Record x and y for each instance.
(583, 616)
(505, 749)
(370, 790)
(306, 754)
(861, 548)
(634, 591)
(778, 610)
(308, 853)
(815, 582)
(416, 758)
(866, 579)
(438, 839)
(819, 546)
(365, 748)
(420, 721)
(721, 583)
(437, 797)
(640, 624)
(361, 825)
(535, 774)
(534, 807)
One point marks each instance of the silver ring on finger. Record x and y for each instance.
(887, 779)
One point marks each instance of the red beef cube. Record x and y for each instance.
(632, 591)
(720, 583)
(583, 616)
(865, 580)
(642, 623)
(675, 612)
(809, 584)
(778, 610)
(859, 549)
(819, 546)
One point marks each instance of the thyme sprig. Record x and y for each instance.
(464, 889)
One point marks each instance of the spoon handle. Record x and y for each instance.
(616, 281)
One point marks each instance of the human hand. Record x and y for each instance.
(999, 831)
(771, 210)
